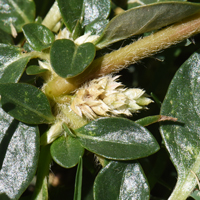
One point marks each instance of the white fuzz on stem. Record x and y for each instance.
(107, 97)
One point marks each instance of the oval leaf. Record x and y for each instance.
(13, 72)
(71, 11)
(69, 60)
(134, 21)
(117, 138)
(5, 37)
(8, 53)
(38, 36)
(181, 138)
(16, 13)
(121, 180)
(25, 103)
(9, 56)
(19, 147)
(66, 151)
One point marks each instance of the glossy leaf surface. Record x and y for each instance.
(96, 27)
(121, 180)
(181, 137)
(134, 21)
(17, 13)
(25, 103)
(135, 3)
(69, 60)
(71, 11)
(13, 72)
(5, 37)
(8, 55)
(66, 151)
(38, 36)
(117, 138)
(19, 147)
(35, 69)
(78, 181)
(96, 10)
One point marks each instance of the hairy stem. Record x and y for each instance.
(119, 59)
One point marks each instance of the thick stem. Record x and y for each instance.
(52, 17)
(119, 59)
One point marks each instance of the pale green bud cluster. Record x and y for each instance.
(107, 97)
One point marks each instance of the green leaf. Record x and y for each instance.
(35, 69)
(196, 195)
(71, 11)
(12, 63)
(17, 13)
(117, 138)
(181, 138)
(25, 103)
(19, 147)
(38, 36)
(96, 10)
(121, 180)
(41, 187)
(13, 72)
(78, 31)
(66, 151)
(8, 53)
(96, 27)
(69, 60)
(78, 182)
(134, 21)
(148, 120)
(5, 37)
(135, 3)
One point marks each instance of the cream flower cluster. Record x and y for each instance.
(107, 97)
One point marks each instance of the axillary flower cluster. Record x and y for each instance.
(100, 97)
(105, 96)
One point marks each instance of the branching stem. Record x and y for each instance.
(119, 59)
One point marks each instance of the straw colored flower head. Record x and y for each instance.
(107, 97)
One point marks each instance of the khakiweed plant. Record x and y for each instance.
(77, 102)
